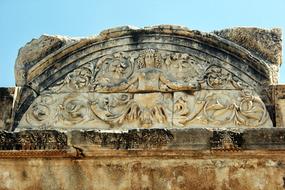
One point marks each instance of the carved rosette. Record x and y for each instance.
(148, 89)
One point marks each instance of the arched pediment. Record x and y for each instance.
(164, 77)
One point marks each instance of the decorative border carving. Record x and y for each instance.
(226, 141)
(114, 91)
(144, 138)
(33, 140)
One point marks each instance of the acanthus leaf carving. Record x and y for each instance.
(237, 108)
(146, 70)
(144, 109)
(217, 77)
(80, 79)
(108, 110)
(149, 88)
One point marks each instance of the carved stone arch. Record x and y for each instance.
(105, 81)
(81, 51)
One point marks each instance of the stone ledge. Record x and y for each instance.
(144, 141)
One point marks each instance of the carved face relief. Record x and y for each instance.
(145, 70)
(112, 69)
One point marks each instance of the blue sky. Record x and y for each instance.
(23, 20)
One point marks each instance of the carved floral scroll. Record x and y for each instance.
(148, 89)
(147, 70)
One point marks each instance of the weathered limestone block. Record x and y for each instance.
(279, 98)
(143, 159)
(6, 103)
(35, 51)
(138, 173)
(265, 43)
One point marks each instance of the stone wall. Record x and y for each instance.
(161, 107)
(144, 159)
(6, 101)
(143, 173)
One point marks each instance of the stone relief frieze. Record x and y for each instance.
(148, 89)
(146, 70)
(216, 77)
(226, 141)
(104, 111)
(222, 108)
(33, 140)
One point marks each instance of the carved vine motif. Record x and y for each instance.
(146, 109)
(39, 112)
(80, 79)
(72, 110)
(112, 110)
(145, 70)
(114, 68)
(225, 101)
(239, 108)
(168, 89)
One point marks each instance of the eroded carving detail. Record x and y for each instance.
(148, 89)
(40, 111)
(144, 138)
(145, 110)
(33, 140)
(224, 101)
(226, 141)
(238, 108)
(146, 70)
(216, 77)
(81, 79)
(102, 110)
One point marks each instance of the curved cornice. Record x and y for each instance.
(74, 45)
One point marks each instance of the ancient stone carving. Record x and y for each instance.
(207, 108)
(78, 80)
(33, 140)
(40, 111)
(226, 141)
(144, 138)
(6, 140)
(112, 110)
(148, 89)
(216, 77)
(224, 100)
(146, 70)
(145, 110)
(62, 110)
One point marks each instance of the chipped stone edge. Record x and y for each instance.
(207, 38)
